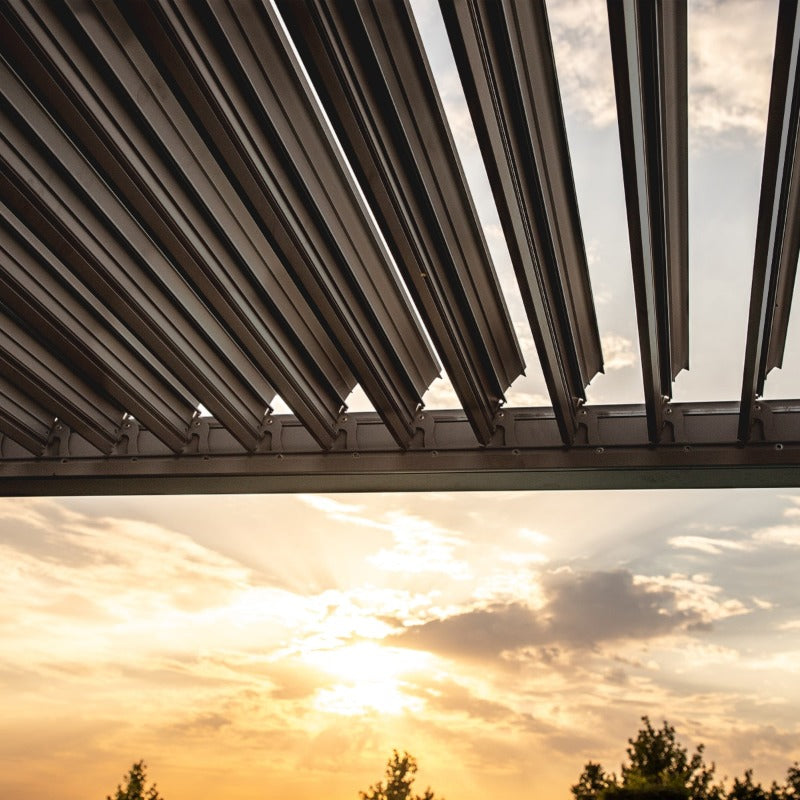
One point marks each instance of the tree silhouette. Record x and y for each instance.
(659, 768)
(135, 786)
(400, 771)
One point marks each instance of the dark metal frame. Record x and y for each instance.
(611, 451)
(178, 226)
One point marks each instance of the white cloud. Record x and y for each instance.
(695, 594)
(706, 544)
(583, 59)
(618, 352)
(420, 546)
(730, 61)
(779, 534)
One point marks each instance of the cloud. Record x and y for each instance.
(583, 59)
(779, 534)
(618, 352)
(420, 546)
(730, 61)
(580, 611)
(706, 544)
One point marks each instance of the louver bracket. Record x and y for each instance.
(519, 123)
(778, 231)
(648, 48)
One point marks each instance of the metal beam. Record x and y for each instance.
(648, 48)
(234, 265)
(368, 65)
(778, 231)
(37, 285)
(505, 59)
(95, 234)
(612, 452)
(190, 207)
(22, 419)
(37, 371)
(243, 65)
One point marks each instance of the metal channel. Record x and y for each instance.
(51, 185)
(39, 373)
(330, 245)
(367, 63)
(22, 419)
(648, 48)
(200, 224)
(505, 59)
(38, 287)
(778, 230)
(231, 263)
(612, 451)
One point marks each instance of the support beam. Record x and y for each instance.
(778, 231)
(243, 67)
(37, 285)
(28, 364)
(22, 419)
(106, 249)
(368, 65)
(505, 59)
(648, 48)
(612, 452)
(185, 200)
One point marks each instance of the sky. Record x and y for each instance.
(255, 647)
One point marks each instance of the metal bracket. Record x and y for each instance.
(271, 435)
(763, 422)
(198, 436)
(425, 433)
(128, 442)
(58, 441)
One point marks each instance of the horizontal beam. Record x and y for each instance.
(505, 58)
(369, 68)
(649, 55)
(778, 229)
(526, 453)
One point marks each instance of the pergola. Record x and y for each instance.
(213, 203)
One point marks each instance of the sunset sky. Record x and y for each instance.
(268, 647)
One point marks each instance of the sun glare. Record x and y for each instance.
(371, 678)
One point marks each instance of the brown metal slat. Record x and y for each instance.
(114, 257)
(33, 282)
(778, 229)
(268, 315)
(649, 55)
(338, 259)
(370, 70)
(505, 59)
(22, 419)
(27, 363)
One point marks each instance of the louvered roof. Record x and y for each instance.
(208, 204)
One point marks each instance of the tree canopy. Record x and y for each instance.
(400, 771)
(660, 768)
(135, 788)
